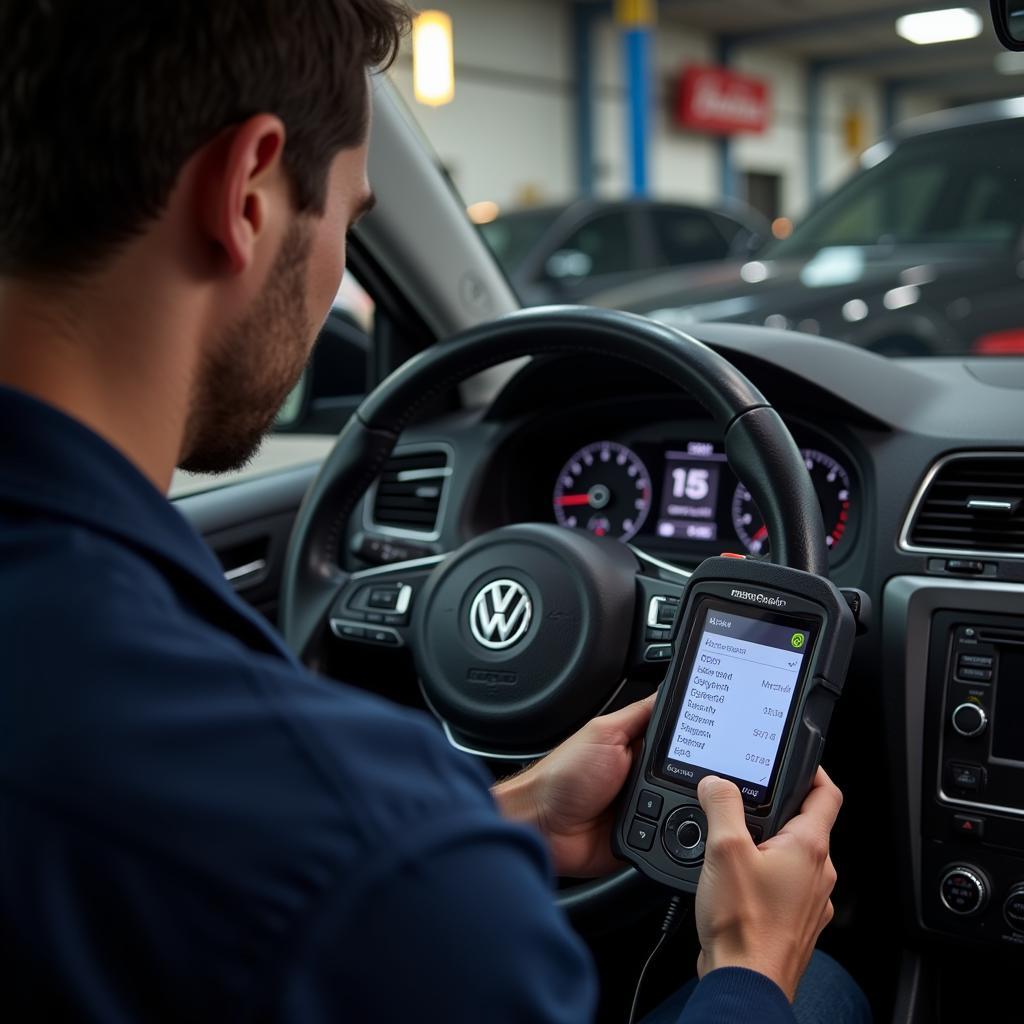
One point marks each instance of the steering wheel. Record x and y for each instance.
(526, 632)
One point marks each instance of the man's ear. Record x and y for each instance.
(239, 181)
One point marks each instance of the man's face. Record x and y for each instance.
(247, 374)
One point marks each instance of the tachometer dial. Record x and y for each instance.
(832, 486)
(604, 488)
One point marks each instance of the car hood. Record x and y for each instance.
(749, 290)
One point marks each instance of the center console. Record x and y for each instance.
(960, 646)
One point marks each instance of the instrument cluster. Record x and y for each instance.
(684, 495)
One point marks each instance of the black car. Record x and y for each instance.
(919, 253)
(568, 253)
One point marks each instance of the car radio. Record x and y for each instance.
(761, 656)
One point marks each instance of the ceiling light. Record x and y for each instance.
(433, 58)
(940, 26)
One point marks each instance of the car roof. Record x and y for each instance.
(958, 119)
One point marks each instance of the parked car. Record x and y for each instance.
(567, 253)
(919, 253)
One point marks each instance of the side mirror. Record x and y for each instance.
(568, 265)
(1008, 18)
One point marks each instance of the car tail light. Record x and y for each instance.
(1000, 343)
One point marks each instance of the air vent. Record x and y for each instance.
(972, 504)
(409, 492)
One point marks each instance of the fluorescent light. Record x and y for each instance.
(940, 26)
(433, 58)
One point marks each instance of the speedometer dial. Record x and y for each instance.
(604, 488)
(832, 486)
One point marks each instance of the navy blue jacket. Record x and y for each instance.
(193, 827)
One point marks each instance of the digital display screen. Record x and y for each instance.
(733, 714)
(689, 496)
(1008, 720)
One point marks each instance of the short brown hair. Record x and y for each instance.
(102, 103)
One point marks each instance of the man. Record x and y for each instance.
(193, 827)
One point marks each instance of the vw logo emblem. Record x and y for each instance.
(500, 614)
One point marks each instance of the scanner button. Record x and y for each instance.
(689, 835)
(641, 834)
(649, 804)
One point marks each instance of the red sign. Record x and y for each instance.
(721, 102)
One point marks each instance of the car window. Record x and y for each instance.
(933, 191)
(683, 236)
(606, 245)
(511, 237)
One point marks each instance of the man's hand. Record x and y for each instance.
(568, 795)
(763, 907)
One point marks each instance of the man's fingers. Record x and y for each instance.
(631, 720)
(819, 811)
(723, 805)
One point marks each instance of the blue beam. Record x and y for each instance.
(637, 42)
(727, 170)
(583, 17)
(815, 83)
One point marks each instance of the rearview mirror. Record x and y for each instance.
(1008, 18)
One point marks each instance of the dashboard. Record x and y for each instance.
(636, 473)
(678, 493)
(926, 743)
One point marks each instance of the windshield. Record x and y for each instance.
(826, 168)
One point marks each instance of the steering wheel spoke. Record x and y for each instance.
(660, 587)
(375, 606)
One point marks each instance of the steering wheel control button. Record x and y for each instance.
(968, 777)
(968, 826)
(641, 834)
(964, 890)
(684, 834)
(658, 652)
(347, 632)
(649, 804)
(969, 719)
(1013, 908)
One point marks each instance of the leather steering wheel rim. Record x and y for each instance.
(758, 446)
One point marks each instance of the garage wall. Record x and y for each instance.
(509, 134)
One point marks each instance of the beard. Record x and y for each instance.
(244, 380)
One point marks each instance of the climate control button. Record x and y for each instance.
(1013, 908)
(964, 890)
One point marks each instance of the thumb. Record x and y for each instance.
(723, 805)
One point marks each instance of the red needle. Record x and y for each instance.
(761, 534)
(573, 499)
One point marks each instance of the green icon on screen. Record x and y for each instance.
(797, 640)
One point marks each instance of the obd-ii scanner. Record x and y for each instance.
(761, 655)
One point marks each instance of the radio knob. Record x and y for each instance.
(964, 890)
(969, 719)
